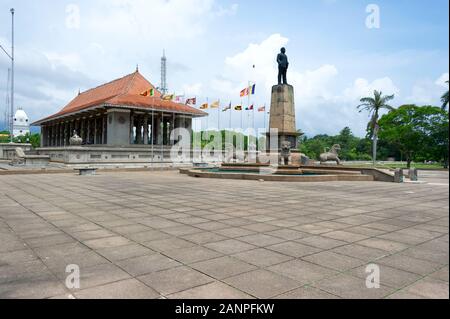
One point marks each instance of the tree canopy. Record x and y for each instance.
(419, 133)
(352, 147)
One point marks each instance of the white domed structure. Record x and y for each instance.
(21, 123)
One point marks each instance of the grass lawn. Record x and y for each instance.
(394, 165)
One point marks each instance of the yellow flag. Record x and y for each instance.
(168, 97)
(215, 105)
(204, 106)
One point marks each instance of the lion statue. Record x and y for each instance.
(285, 152)
(331, 155)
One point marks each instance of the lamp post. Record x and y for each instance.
(11, 56)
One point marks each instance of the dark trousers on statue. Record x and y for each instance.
(282, 75)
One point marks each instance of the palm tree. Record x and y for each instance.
(444, 99)
(373, 105)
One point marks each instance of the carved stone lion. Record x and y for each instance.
(331, 155)
(285, 152)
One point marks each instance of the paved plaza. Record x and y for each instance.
(167, 235)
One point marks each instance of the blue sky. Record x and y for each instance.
(212, 45)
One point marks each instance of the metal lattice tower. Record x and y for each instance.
(164, 89)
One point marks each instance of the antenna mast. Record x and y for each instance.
(7, 99)
(164, 89)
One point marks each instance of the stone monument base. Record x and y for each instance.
(282, 117)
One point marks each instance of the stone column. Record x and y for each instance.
(47, 132)
(282, 115)
(50, 135)
(119, 127)
(105, 127)
(60, 135)
(56, 134)
(156, 129)
(145, 129)
(70, 131)
(82, 128)
(53, 134)
(171, 128)
(132, 128)
(64, 124)
(88, 131)
(138, 122)
(164, 129)
(94, 140)
(77, 126)
(42, 136)
(99, 130)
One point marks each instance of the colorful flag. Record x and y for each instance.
(191, 101)
(168, 97)
(204, 106)
(238, 107)
(179, 98)
(226, 108)
(251, 90)
(150, 92)
(215, 105)
(262, 109)
(244, 92)
(250, 108)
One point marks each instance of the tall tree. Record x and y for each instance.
(444, 99)
(374, 105)
(420, 133)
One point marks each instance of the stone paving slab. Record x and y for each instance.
(166, 235)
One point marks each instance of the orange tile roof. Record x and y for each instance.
(123, 92)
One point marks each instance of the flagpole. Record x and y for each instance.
(231, 111)
(242, 121)
(253, 111)
(265, 118)
(153, 138)
(248, 115)
(207, 118)
(218, 117)
(162, 146)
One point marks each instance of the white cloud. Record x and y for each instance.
(442, 80)
(320, 107)
(362, 88)
(71, 60)
(192, 89)
(44, 82)
(230, 11)
(256, 63)
(314, 84)
(73, 16)
(427, 91)
(149, 20)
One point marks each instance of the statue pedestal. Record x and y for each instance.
(282, 117)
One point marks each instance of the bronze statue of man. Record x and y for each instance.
(283, 66)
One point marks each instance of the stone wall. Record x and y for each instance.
(8, 150)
